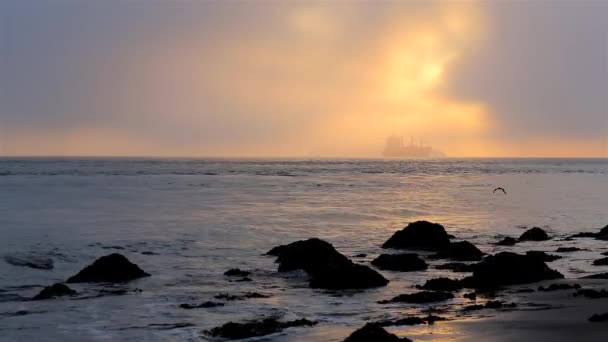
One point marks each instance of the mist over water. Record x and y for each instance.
(186, 221)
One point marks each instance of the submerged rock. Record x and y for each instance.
(601, 262)
(28, 260)
(534, 234)
(246, 295)
(456, 267)
(374, 333)
(461, 251)
(543, 256)
(596, 276)
(567, 249)
(421, 235)
(113, 268)
(236, 272)
(53, 291)
(601, 235)
(441, 284)
(556, 287)
(508, 241)
(412, 320)
(599, 318)
(421, 297)
(593, 294)
(327, 268)
(235, 331)
(493, 304)
(207, 304)
(400, 262)
(508, 268)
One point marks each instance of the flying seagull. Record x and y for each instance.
(501, 189)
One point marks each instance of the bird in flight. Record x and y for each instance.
(501, 189)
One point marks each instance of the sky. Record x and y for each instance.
(303, 78)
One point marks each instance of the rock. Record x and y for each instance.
(596, 276)
(508, 241)
(327, 268)
(28, 260)
(374, 333)
(421, 297)
(361, 255)
(236, 272)
(601, 235)
(599, 318)
(413, 320)
(601, 262)
(567, 249)
(400, 262)
(421, 235)
(207, 304)
(244, 279)
(543, 256)
(605, 254)
(493, 304)
(246, 295)
(113, 268)
(534, 234)
(456, 267)
(461, 251)
(441, 284)
(508, 268)
(470, 295)
(235, 331)
(593, 294)
(55, 290)
(556, 287)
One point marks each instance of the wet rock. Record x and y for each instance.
(524, 290)
(593, 294)
(599, 318)
(235, 331)
(421, 297)
(412, 320)
(246, 295)
(204, 305)
(605, 253)
(236, 272)
(441, 284)
(545, 257)
(470, 295)
(601, 262)
(113, 268)
(557, 287)
(361, 255)
(534, 234)
(601, 235)
(53, 291)
(400, 262)
(374, 333)
(596, 276)
(327, 268)
(244, 279)
(421, 235)
(456, 267)
(567, 249)
(28, 260)
(508, 241)
(461, 251)
(493, 304)
(508, 268)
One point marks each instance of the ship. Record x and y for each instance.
(395, 147)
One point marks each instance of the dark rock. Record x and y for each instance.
(400, 262)
(493, 304)
(599, 318)
(55, 290)
(422, 297)
(412, 320)
(327, 268)
(236, 272)
(374, 333)
(605, 253)
(567, 249)
(543, 256)
(207, 304)
(113, 268)
(471, 296)
(524, 290)
(593, 294)
(246, 295)
(361, 255)
(461, 251)
(28, 260)
(556, 287)
(508, 241)
(235, 331)
(602, 235)
(601, 262)
(244, 279)
(421, 235)
(596, 276)
(534, 234)
(456, 267)
(508, 268)
(441, 284)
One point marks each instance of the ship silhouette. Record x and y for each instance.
(395, 147)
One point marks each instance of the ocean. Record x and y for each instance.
(187, 221)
